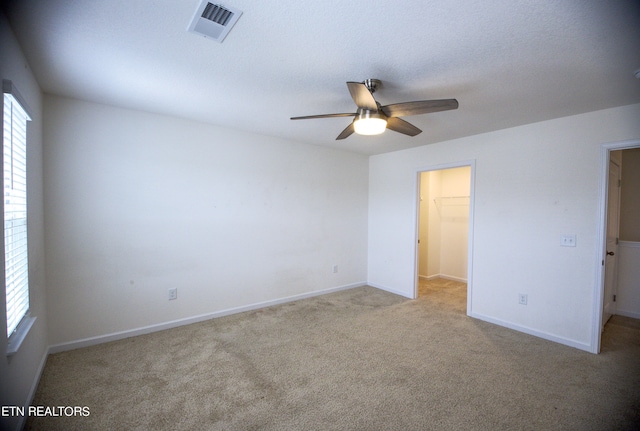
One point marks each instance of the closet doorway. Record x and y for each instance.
(618, 299)
(444, 213)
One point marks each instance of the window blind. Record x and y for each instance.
(15, 211)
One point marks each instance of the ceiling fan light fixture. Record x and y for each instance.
(369, 122)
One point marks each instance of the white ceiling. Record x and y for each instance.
(508, 62)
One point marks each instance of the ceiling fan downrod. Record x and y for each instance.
(372, 84)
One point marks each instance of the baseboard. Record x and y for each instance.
(445, 276)
(630, 244)
(428, 277)
(453, 278)
(631, 314)
(91, 341)
(540, 334)
(34, 388)
(390, 290)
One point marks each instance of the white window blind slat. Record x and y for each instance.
(15, 212)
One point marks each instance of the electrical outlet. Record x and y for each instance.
(522, 298)
(173, 293)
(568, 240)
(335, 269)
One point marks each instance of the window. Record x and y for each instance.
(16, 265)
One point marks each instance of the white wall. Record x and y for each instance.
(424, 236)
(434, 245)
(630, 196)
(532, 185)
(139, 203)
(628, 286)
(19, 373)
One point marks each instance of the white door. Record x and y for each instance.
(613, 218)
(423, 226)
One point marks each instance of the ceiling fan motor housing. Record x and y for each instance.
(372, 84)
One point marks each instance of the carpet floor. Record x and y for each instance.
(360, 359)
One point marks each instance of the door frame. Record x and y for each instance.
(461, 164)
(598, 291)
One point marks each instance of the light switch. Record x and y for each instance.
(568, 240)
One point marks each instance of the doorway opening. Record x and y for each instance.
(618, 299)
(443, 226)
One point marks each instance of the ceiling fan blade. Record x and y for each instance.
(362, 96)
(401, 126)
(419, 107)
(308, 117)
(348, 131)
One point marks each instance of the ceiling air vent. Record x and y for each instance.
(214, 21)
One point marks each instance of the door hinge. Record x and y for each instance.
(614, 298)
(602, 262)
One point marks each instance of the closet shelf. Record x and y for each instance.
(453, 206)
(451, 201)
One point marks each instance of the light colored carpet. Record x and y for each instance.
(361, 359)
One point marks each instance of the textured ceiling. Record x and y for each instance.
(508, 62)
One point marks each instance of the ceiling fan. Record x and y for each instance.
(371, 118)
